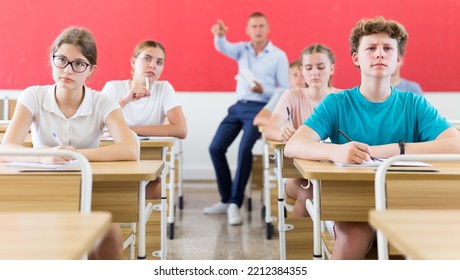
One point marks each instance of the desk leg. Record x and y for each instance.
(313, 208)
(142, 220)
(281, 224)
(164, 206)
(267, 186)
(172, 178)
(179, 173)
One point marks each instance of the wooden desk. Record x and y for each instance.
(50, 236)
(347, 193)
(150, 149)
(421, 234)
(119, 187)
(156, 149)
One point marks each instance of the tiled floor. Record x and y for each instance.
(209, 237)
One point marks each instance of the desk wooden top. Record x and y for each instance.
(275, 144)
(421, 234)
(127, 170)
(150, 143)
(3, 128)
(50, 236)
(325, 170)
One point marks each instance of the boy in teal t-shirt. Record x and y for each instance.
(382, 121)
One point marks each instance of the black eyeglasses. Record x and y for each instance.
(77, 65)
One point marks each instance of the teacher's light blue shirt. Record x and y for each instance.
(270, 67)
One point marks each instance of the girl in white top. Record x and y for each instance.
(317, 69)
(146, 102)
(76, 115)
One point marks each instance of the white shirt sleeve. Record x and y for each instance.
(170, 100)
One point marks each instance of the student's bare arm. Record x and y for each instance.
(18, 128)
(177, 126)
(305, 144)
(448, 142)
(278, 129)
(16, 133)
(262, 117)
(125, 146)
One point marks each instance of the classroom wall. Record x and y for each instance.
(27, 28)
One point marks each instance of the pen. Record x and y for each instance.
(289, 116)
(147, 83)
(349, 139)
(57, 139)
(344, 135)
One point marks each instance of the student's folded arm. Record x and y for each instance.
(176, 127)
(385, 151)
(262, 117)
(273, 127)
(17, 131)
(448, 142)
(305, 144)
(124, 147)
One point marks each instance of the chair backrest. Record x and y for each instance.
(33, 194)
(8, 108)
(410, 194)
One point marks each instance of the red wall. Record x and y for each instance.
(27, 29)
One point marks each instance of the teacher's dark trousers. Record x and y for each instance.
(240, 117)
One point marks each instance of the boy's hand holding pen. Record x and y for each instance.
(360, 150)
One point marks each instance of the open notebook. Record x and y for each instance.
(36, 165)
(379, 161)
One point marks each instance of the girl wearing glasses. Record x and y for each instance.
(146, 101)
(68, 115)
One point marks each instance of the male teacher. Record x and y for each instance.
(262, 70)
